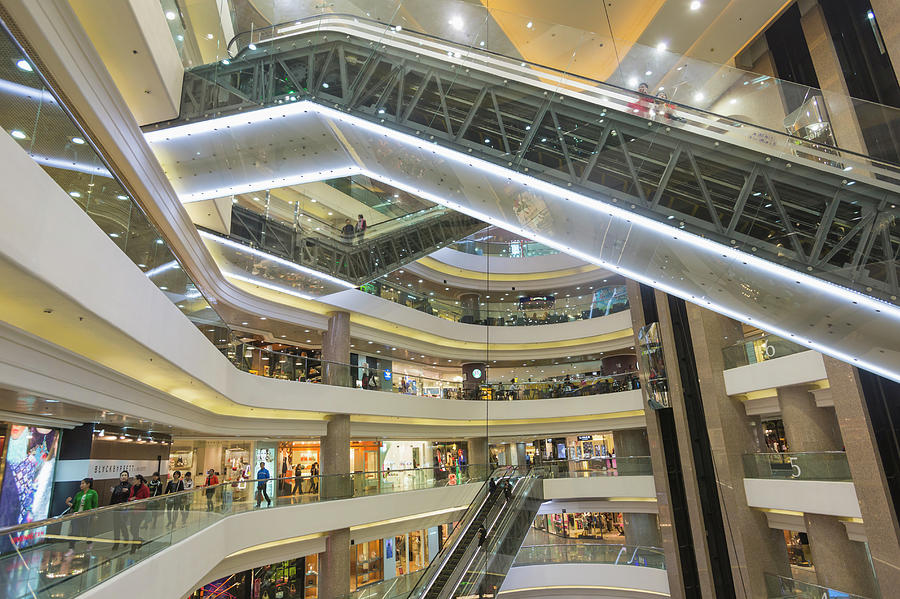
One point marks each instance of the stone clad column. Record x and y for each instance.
(755, 548)
(841, 113)
(334, 466)
(478, 454)
(470, 304)
(336, 350)
(334, 457)
(807, 427)
(875, 503)
(840, 563)
(640, 529)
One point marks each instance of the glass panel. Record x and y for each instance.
(63, 557)
(759, 349)
(819, 465)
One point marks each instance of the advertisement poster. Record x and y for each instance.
(27, 480)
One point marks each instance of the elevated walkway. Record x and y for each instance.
(765, 228)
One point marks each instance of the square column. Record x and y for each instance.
(336, 350)
(840, 563)
(754, 548)
(864, 458)
(807, 427)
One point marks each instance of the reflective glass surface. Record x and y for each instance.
(759, 349)
(63, 557)
(782, 587)
(811, 465)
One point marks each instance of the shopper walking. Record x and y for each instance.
(314, 478)
(361, 226)
(120, 494)
(211, 481)
(139, 490)
(86, 499)
(262, 479)
(174, 504)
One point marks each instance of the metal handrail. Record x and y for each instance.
(66, 517)
(560, 72)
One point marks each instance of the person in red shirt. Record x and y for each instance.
(211, 481)
(139, 490)
(641, 106)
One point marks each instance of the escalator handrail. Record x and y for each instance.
(464, 522)
(321, 18)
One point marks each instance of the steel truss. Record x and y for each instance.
(808, 219)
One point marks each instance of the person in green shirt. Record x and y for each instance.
(86, 499)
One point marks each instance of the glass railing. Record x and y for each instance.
(519, 248)
(591, 553)
(599, 466)
(34, 117)
(697, 92)
(291, 365)
(812, 465)
(782, 587)
(611, 299)
(778, 217)
(484, 572)
(63, 557)
(759, 349)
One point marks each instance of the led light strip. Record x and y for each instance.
(787, 275)
(68, 165)
(287, 263)
(266, 284)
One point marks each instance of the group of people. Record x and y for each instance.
(647, 106)
(348, 231)
(127, 524)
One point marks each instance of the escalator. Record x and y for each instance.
(483, 546)
(792, 236)
(356, 259)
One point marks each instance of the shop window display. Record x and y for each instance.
(368, 566)
(602, 526)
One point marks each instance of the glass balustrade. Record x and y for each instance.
(503, 249)
(759, 349)
(591, 553)
(599, 466)
(812, 465)
(596, 303)
(782, 587)
(617, 141)
(292, 365)
(62, 557)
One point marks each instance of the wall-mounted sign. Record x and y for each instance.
(387, 375)
(476, 373)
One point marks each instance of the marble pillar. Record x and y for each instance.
(875, 502)
(336, 350)
(334, 565)
(641, 530)
(807, 427)
(840, 563)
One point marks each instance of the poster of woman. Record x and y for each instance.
(27, 480)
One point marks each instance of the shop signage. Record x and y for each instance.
(387, 375)
(585, 438)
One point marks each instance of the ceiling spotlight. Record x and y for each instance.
(24, 65)
(696, 4)
(209, 36)
(77, 140)
(662, 47)
(456, 23)
(251, 46)
(170, 15)
(18, 134)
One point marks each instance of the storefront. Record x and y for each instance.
(364, 456)
(605, 526)
(405, 455)
(592, 446)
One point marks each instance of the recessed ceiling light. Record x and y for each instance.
(662, 47)
(244, 323)
(648, 73)
(170, 15)
(18, 134)
(251, 46)
(696, 4)
(75, 194)
(24, 65)
(529, 25)
(209, 36)
(262, 318)
(77, 140)
(698, 96)
(113, 234)
(121, 197)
